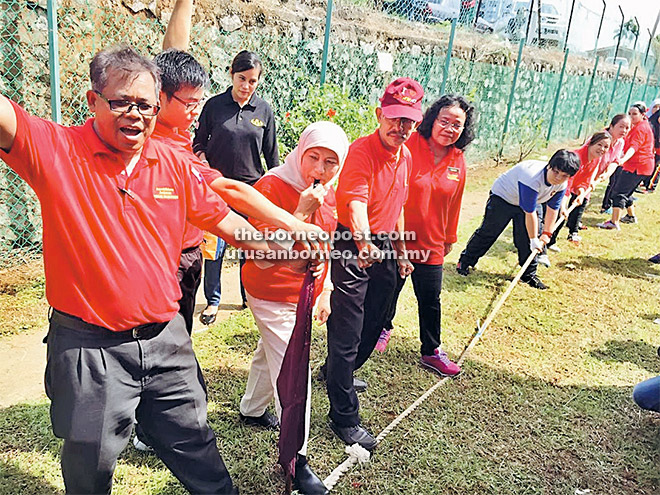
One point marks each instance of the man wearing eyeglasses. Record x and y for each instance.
(114, 207)
(372, 189)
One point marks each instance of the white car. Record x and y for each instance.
(442, 10)
(513, 22)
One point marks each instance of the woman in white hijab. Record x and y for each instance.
(302, 186)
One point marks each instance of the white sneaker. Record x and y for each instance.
(542, 259)
(554, 248)
(141, 446)
(574, 237)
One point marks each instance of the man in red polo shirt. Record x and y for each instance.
(114, 207)
(372, 189)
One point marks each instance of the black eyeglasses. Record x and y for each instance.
(190, 105)
(125, 106)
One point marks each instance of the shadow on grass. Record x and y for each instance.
(635, 268)
(630, 351)
(14, 481)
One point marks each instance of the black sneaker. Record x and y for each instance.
(535, 282)
(629, 219)
(462, 269)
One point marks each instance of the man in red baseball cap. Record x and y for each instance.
(372, 189)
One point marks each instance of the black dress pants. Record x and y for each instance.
(427, 284)
(359, 302)
(100, 381)
(497, 216)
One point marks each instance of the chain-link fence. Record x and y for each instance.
(522, 101)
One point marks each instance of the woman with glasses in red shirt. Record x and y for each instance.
(437, 181)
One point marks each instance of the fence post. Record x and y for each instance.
(632, 85)
(511, 95)
(648, 77)
(450, 47)
(616, 82)
(54, 62)
(600, 26)
(554, 107)
(326, 42)
(586, 101)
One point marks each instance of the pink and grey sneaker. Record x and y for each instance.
(384, 338)
(440, 363)
(609, 225)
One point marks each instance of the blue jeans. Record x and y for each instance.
(647, 394)
(212, 274)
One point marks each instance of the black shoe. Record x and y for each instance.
(462, 269)
(354, 434)
(208, 319)
(359, 385)
(305, 481)
(266, 420)
(535, 282)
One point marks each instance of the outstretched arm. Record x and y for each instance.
(7, 124)
(177, 34)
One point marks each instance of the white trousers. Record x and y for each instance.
(275, 321)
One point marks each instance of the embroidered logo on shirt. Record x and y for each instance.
(165, 193)
(257, 123)
(453, 173)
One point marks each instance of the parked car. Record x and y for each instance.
(513, 22)
(444, 10)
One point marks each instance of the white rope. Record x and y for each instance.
(356, 455)
(354, 450)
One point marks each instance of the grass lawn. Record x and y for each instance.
(543, 405)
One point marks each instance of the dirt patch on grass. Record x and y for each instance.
(13, 280)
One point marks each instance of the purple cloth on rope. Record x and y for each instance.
(292, 380)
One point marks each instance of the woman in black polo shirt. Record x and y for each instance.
(235, 128)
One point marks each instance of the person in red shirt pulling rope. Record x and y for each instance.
(303, 187)
(639, 162)
(437, 181)
(591, 155)
(372, 189)
(114, 205)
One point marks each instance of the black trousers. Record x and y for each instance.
(427, 284)
(100, 381)
(497, 216)
(607, 196)
(359, 303)
(624, 188)
(189, 275)
(573, 220)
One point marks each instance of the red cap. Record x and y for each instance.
(403, 98)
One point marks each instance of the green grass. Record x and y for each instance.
(543, 406)
(23, 306)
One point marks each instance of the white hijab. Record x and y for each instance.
(319, 134)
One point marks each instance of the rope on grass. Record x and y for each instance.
(354, 451)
